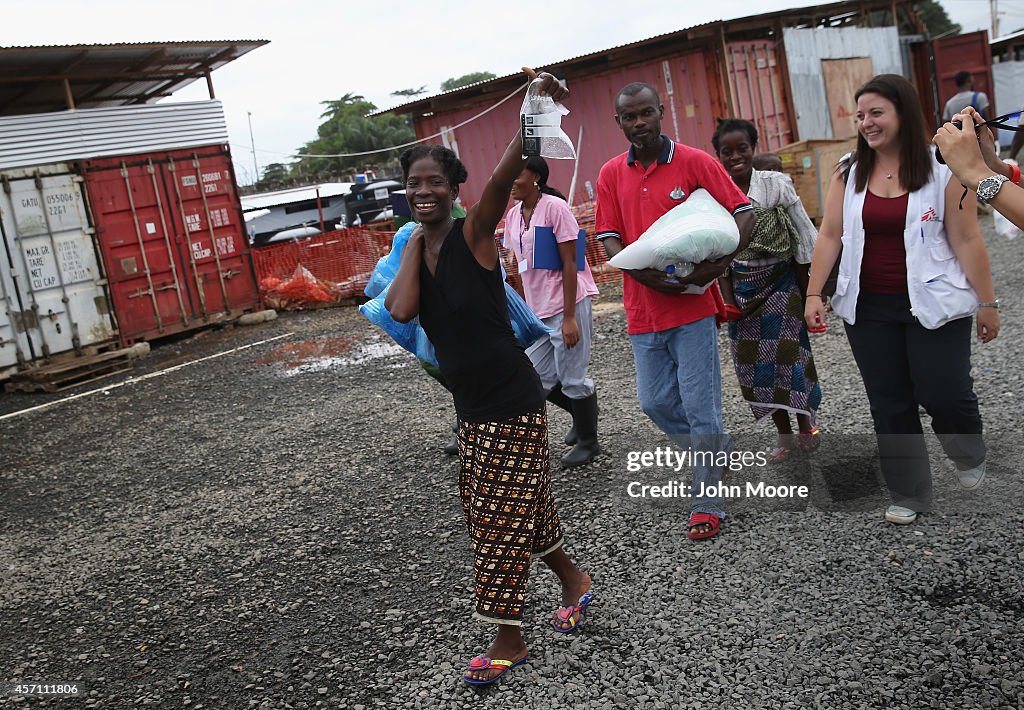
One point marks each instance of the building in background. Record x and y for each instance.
(316, 207)
(119, 219)
(793, 73)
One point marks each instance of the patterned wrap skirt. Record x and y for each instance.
(770, 345)
(505, 484)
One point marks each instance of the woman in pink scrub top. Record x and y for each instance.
(542, 232)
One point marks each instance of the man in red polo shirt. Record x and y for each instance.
(672, 330)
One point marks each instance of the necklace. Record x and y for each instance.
(888, 176)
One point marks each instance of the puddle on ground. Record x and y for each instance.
(319, 354)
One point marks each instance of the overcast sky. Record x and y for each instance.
(321, 49)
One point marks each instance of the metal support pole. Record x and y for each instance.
(252, 144)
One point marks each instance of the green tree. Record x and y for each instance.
(409, 93)
(466, 80)
(274, 176)
(275, 172)
(934, 17)
(348, 129)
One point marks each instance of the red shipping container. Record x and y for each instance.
(173, 240)
(937, 61)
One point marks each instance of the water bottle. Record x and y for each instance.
(680, 269)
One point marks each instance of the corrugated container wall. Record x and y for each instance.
(170, 229)
(759, 90)
(968, 52)
(63, 136)
(691, 92)
(826, 67)
(937, 61)
(52, 295)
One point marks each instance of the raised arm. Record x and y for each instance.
(482, 219)
(972, 158)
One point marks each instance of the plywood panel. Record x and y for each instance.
(842, 79)
(805, 48)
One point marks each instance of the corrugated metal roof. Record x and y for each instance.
(844, 7)
(40, 79)
(1005, 39)
(264, 200)
(42, 139)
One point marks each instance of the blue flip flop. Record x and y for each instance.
(481, 663)
(575, 616)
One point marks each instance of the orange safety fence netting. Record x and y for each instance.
(322, 269)
(331, 267)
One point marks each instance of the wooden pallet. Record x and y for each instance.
(59, 376)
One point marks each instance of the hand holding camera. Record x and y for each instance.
(970, 154)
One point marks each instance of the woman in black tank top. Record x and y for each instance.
(450, 278)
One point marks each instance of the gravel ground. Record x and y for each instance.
(278, 528)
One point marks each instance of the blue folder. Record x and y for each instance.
(545, 249)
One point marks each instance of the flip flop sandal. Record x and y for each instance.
(780, 454)
(809, 440)
(704, 519)
(482, 663)
(574, 616)
(732, 313)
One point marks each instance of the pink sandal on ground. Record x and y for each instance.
(574, 616)
(482, 663)
(780, 454)
(809, 440)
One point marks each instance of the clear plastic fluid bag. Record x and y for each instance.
(541, 118)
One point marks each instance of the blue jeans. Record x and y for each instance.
(679, 385)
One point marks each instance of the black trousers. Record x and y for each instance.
(904, 365)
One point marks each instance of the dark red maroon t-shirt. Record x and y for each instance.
(884, 268)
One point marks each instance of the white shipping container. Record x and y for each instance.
(52, 291)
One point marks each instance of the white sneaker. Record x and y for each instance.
(972, 477)
(899, 515)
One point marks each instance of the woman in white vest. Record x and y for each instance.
(913, 271)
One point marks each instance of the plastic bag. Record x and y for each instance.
(408, 335)
(302, 289)
(525, 323)
(697, 230)
(541, 119)
(387, 266)
(1004, 227)
(411, 336)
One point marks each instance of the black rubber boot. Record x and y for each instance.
(585, 416)
(452, 447)
(558, 398)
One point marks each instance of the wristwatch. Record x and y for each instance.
(990, 304)
(989, 187)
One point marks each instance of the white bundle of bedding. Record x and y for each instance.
(697, 230)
